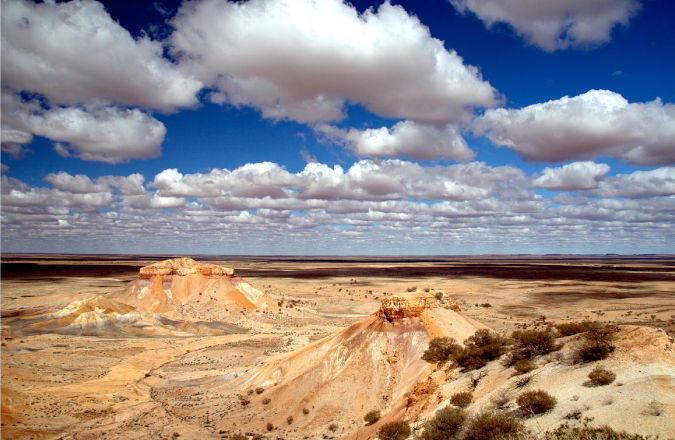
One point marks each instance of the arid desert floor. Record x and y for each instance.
(139, 385)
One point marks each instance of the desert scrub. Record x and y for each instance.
(536, 402)
(494, 425)
(600, 376)
(305, 411)
(597, 343)
(586, 432)
(394, 431)
(524, 366)
(441, 350)
(481, 348)
(238, 436)
(573, 328)
(333, 427)
(532, 343)
(372, 417)
(266, 401)
(289, 419)
(445, 424)
(269, 426)
(462, 399)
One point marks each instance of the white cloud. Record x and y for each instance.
(79, 184)
(107, 134)
(596, 123)
(639, 184)
(303, 60)
(406, 138)
(555, 24)
(74, 53)
(572, 177)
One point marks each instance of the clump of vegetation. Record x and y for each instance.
(266, 401)
(532, 343)
(439, 296)
(600, 376)
(289, 419)
(586, 432)
(394, 431)
(445, 424)
(333, 427)
(238, 436)
(501, 400)
(494, 425)
(523, 381)
(536, 402)
(305, 411)
(411, 289)
(596, 344)
(573, 328)
(259, 390)
(372, 417)
(481, 348)
(462, 399)
(441, 350)
(524, 366)
(269, 426)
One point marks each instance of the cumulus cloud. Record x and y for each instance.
(596, 123)
(74, 52)
(572, 177)
(389, 206)
(639, 184)
(555, 24)
(405, 138)
(107, 134)
(303, 60)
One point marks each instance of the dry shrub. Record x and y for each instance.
(585, 432)
(372, 417)
(573, 328)
(266, 401)
(394, 431)
(305, 411)
(599, 376)
(596, 344)
(501, 399)
(238, 436)
(445, 424)
(269, 426)
(333, 427)
(532, 343)
(259, 390)
(536, 402)
(289, 419)
(524, 366)
(494, 425)
(462, 399)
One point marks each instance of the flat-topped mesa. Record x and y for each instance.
(399, 307)
(184, 266)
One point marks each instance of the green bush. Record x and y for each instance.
(441, 350)
(531, 343)
(599, 376)
(394, 431)
(462, 399)
(445, 424)
(372, 417)
(573, 328)
(481, 348)
(494, 425)
(536, 402)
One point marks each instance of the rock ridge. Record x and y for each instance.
(184, 266)
(410, 306)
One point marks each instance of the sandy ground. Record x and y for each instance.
(58, 386)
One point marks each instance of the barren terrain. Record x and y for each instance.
(187, 384)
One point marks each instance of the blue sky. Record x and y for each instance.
(297, 127)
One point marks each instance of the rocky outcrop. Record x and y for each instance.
(401, 307)
(184, 266)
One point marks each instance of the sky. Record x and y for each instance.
(317, 127)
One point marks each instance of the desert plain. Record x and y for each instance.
(169, 379)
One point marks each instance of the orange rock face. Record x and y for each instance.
(184, 266)
(400, 307)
